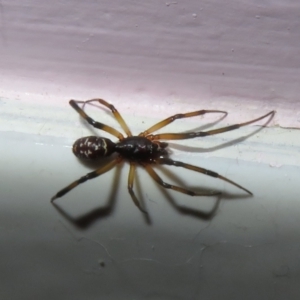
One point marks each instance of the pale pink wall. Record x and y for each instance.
(237, 55)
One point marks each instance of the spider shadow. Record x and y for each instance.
(200, 214)
(182, 209)
(220, 146)
(85, 220)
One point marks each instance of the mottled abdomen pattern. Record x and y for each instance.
(93, 147)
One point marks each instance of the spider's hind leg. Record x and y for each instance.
(168, 161)
(115, 112)
(98, 125)
(166, 185)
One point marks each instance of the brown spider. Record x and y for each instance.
(144, 149)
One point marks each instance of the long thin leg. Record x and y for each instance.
(94, 123)
(130, 187)
(191, 135)
(171, 119)
(168, 161)
(83, 179)
(115, 112)
(155, 176)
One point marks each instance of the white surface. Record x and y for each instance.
(250, 247)
(151, 60)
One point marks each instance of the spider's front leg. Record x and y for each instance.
(115, 112)
(94, 123)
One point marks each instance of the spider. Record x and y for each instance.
(145, 149)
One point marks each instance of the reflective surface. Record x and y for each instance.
(250, 242)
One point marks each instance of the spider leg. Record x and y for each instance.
(130, 187)
(83, 179)
(170, 162)
(94, 123)
(115, 112)
(191, 135)
(171, 119)
(166, 185)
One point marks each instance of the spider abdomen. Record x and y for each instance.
(93, 147)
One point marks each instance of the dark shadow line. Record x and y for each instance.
(218, 147)
(87, 219)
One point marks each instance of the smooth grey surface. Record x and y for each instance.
(250, 249)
